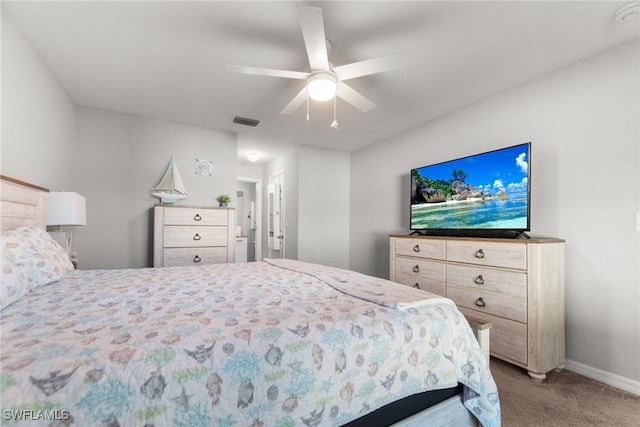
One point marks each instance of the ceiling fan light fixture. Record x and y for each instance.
(321, 86)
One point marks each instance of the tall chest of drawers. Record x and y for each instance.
(516, 284)
(192, 235)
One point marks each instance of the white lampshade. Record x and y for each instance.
(66, 208)
(321, 86)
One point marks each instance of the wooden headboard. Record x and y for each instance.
(21, 204)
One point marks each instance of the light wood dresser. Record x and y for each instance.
(516, 284)
(192, 235)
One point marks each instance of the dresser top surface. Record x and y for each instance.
(191, 207)
(483, 239)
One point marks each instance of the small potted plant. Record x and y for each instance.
(223, 200)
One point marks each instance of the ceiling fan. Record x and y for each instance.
(325, 82)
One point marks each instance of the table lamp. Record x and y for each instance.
(65, 209)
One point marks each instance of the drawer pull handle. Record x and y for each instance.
(197, 217)
(416, 248)
(479, 280)
(416, 269)
(480, 303)
(197, 259)
(479, 254)
(416, 285)
(197, 237)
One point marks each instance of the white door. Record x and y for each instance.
(276, 228)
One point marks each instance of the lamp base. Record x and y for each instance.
(63, 238)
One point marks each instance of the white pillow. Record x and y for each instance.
(38, 257)
(13, 284)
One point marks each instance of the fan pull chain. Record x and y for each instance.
(334, 123)
(307, 107)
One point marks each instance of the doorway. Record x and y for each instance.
(249, 218)
(276, 216)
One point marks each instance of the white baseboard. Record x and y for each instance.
(614, 380)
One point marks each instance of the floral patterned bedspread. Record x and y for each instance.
(258, 344)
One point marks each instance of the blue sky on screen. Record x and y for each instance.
(501, 169)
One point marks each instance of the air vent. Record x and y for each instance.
(245, 121)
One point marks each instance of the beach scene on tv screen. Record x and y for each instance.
(485, 191)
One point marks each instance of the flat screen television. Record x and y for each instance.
(484, 194)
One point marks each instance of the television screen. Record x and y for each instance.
(487, 191)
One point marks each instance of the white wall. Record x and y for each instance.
(250, 172)
(119, 159)
(584, 123)
(37, 116)
(323, 207)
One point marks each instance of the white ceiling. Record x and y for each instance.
(167, 60)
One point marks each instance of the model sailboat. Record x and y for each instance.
(170, 188)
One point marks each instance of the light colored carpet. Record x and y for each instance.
(563, 399)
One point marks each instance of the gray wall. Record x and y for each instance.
(583, 122)
(317, 204)
(37, 116)
(118, 160)
(323, 207)
(112, 159)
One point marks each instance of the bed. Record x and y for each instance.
(270, 343)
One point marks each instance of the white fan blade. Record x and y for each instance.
(371, 66)
(354, 98)
(297, 101)
(314, 38)
(268, 72)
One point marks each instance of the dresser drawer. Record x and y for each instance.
(422, 274)
(195, 216)
(421, 248)
(513, 283)
(507, 339)
(176, 236)
(488, 302)
(517, 285)
(192, 235)
(194, 256)
(496, 254)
